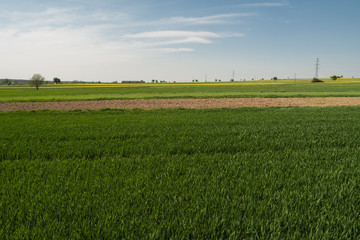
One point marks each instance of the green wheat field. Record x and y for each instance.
(247, 173)
(349, 87)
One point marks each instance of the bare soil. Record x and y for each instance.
(181, 103)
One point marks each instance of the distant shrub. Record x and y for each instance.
(315, 80)
(5, 82)
(334, 77)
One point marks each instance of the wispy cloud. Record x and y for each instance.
(69, 28)
(30, 20)
(61, 18)
(265, 4)
(213, 19)
(218, 19)
(185, 41)
(155, 39)
(171, 34)
(173, 50)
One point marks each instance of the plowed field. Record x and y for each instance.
(181, 103)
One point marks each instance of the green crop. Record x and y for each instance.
(273, 173)
(283, 88)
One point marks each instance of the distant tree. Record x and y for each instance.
(232, 80)
(334, 77)
(57, 80)
(37, 80)
(274, 78)
(5, 82)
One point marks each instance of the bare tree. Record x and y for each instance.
(37, 80)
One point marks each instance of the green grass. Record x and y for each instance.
(272, 173)
(280, 88)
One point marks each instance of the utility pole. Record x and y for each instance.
(317, 68)
(233, 76)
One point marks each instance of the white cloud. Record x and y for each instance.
(227, 18)
(172, 34)
(29, 20)
(184, 41)
(173, 50)
(265, 4)
(214, 19)
(53, 26)
(62, 18)
(53, 11)
(153, 39)
(230, 35)
(80, 44)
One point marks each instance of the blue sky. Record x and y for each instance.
(178, 40)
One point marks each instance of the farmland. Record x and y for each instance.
(280, 88)
(268, 173)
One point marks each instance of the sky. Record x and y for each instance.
(178, 40)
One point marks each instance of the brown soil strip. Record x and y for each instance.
(181, 103)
